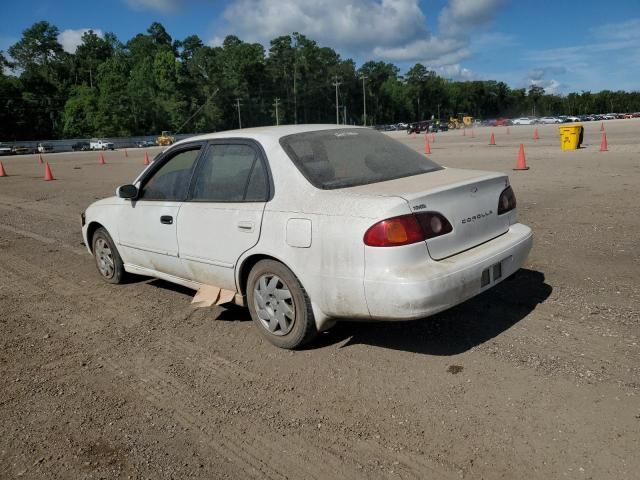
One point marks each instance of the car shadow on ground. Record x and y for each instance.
(454, 331)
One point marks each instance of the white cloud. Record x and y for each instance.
(609, 61)
(390, 30)
(454, 72)
(354, 25)
(70, 39)
(427, 50)
(625, 30)
(461, 15)
(163, 6)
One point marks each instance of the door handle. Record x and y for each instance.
(245, 226)
(166, 219)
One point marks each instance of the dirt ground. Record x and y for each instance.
(537, 378)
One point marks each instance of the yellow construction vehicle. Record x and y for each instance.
(463, 120)
(165, 139)
(454, 123)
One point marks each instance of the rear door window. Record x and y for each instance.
(230, 173)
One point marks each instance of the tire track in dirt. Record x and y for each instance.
(42, 239)
(155, 387)
(224, 369)
(35, 207)
(164, 390)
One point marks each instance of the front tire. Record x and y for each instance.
(279, 305)
(108, 261)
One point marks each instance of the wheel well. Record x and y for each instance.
(93, 226)
(246, 267)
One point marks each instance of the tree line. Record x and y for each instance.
(152, 83)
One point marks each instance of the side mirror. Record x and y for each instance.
(127, 191)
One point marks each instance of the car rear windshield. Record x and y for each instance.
(350, 157)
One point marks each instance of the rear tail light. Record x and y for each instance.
(507, 201)
(407, 229)
(433, 224)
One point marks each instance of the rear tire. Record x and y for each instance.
(279, 305)
(108, 261)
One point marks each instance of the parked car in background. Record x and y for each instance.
(524, 121)
(80, 146)
(145, 143)
(5, 149)
(44, 148)
(549, 120)
(285, 219)
(96, 144)
(418, 127)
(22, 150)
(503, 122)
(571, 118)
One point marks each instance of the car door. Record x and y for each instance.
(147, 225)
(222, 216)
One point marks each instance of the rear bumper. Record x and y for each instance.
(431, 286)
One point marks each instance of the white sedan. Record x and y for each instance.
(550, 120)
(524, 121)
(311, 224)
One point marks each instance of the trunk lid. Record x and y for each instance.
(467, 198)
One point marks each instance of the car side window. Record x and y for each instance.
(171, 181)
(230, 173)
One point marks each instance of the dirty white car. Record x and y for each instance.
(311, 224)
(524, 121)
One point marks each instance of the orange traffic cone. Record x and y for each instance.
(2, 172)
(492, 139)
(522, 163)
(40, 158)
(536, 135)
(603, 144)
(146, 159)
(48, 174)
(102, 162)
(427, 147)
(602, 126)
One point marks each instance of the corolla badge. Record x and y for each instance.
(478, 216)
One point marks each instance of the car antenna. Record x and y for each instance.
(197, 111)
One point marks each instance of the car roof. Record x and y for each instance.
(261, 133)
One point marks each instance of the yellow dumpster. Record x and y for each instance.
(571, 137)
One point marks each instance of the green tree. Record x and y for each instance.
(80, 110)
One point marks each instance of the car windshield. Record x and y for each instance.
(349, 157)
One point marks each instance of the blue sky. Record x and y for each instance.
(562, 46)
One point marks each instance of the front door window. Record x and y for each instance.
(171, 181)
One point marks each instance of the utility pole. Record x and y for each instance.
(364, 101)
(336, 84)
(238, 106)
(295, 94)
(276, 105)
(344, 115)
